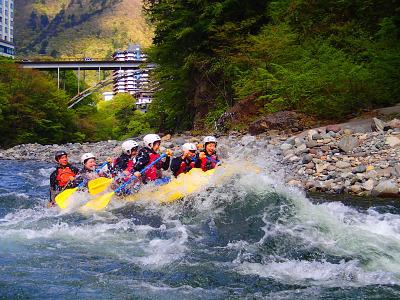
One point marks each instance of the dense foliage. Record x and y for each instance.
(328, 58)
(32, 109)
(117, 119)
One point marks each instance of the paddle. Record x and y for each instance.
(101, 202)
(61, 198)
(98, 185)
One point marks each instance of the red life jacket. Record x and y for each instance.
(63, 176)
(185, 167)
(129, 166)
(151, 173)
(208, 164)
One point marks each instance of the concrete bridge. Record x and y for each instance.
(83, 65)
(80, 65)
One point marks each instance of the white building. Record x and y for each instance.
(134, 82)
(7, 28)
(108, 96)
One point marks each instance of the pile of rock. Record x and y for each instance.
(337, 160)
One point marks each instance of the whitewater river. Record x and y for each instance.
(247, 237)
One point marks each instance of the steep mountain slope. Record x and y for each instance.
(79, 28)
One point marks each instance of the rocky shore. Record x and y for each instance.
(360, 160)
(336, 160)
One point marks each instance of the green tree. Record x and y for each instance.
(33, 109)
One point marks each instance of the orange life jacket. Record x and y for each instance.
(63, 176)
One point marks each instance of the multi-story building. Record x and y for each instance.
(7, 28)
(134, 82)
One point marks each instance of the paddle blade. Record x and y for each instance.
(99, 185)
(99, 203)
(62, 199)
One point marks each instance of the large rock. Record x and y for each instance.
(379, 125)
(395, 123)
(392, 141)
(281, 120)
(333, 128)
(343, 165)
(369, 185)
(348, 143)
(386, 188)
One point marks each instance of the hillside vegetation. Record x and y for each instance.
(327, 58)
(78, 28)
(34, 110)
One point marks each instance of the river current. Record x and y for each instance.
(250, 236)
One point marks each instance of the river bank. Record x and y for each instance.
(333, 159)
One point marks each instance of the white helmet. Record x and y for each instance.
(87, 156)
(209, 139)
(149, 139)
(128, 145)
(189, 147)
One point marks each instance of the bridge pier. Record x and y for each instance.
(79, 78)
(58, 78)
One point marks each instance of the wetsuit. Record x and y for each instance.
(180, 165)
(207, 163)
(85, 175)
(59, 179)
(144, 158)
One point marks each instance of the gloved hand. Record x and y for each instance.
(169, 152)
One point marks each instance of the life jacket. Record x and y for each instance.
(130, 162)
(185, 167)
(208, 163)
(63, 176)
(151, 173)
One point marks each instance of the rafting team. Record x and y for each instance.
(133, 162)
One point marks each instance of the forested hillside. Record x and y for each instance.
(327, 58)
(78, 28)
(34, 110)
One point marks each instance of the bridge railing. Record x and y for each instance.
(59, 59)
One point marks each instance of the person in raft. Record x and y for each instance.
(89, 171)
(185, 162)
(147, 155)
(123, 165)
(207, 159)
(63, 176)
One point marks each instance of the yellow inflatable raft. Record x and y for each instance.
(177, 188)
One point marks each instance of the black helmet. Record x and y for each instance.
(59, 154)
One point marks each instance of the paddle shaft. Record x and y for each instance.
(141, 172)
